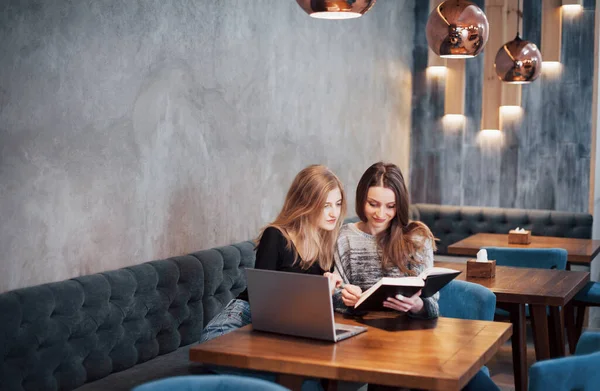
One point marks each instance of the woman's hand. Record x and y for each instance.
(350, 294)
(335, 281)
(401, 303)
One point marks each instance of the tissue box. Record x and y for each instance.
(481, 269)
(515, 237)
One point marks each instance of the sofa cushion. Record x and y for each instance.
(225, 279)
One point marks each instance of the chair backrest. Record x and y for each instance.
(589, 342)
(579, 372)
(466, 300)
(540, 258)
(210, 382)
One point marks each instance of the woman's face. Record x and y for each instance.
(331, 210)
(380, 208)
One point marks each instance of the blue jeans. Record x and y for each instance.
(481, 381)
(236, 314)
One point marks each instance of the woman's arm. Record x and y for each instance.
(347, 294)
(430, 309)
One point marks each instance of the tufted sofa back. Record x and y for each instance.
(61, 335)
(453, 223)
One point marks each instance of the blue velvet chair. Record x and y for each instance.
(465, 300)
(540, 258)
(579, 372)
(210, 382)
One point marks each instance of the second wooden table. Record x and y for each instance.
(580, 251)
(516, 287)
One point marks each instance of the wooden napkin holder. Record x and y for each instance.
(481, 269)
(515, 237)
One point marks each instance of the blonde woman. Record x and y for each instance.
(300, 240)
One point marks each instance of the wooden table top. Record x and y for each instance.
(528, 285)
(439, 354)
(579, 250)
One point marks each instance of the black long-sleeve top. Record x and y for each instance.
(273, 254)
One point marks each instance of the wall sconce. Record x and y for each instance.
(511, 111)
(552, 69)
(454, 94)
(336, 9)
(457, 29)
(510, 115)
(551, 31)
(453, 123)
(572, 5)
(492, 87)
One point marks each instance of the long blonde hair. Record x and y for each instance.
(302, 209)
(403, 237)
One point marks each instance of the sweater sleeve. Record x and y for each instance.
(431, 308)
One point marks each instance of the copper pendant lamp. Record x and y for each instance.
(336, 9)
(457, 29)
(518, 61)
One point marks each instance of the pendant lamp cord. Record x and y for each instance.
(518, 16)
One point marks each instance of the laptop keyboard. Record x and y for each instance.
(340, 331)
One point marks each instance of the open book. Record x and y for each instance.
(429, 282)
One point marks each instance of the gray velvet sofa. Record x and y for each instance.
(453, 223)
(115, 330)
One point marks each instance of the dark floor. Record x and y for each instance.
(500, 365)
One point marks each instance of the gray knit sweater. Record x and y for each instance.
(358, 262)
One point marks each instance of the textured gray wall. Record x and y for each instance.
(136, 130)
(543, 158)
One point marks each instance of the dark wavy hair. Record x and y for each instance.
(403, 237)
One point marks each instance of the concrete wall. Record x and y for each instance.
(137, 130)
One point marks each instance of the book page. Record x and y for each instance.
(402, 281)
(436, 271)
(368, 292)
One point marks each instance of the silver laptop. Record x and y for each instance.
(294, 304)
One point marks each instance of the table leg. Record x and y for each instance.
(569, 319)
(557, 332)
(539, 324)
(519, 344)
(580, 320)
(329, 385)
(292, 382)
